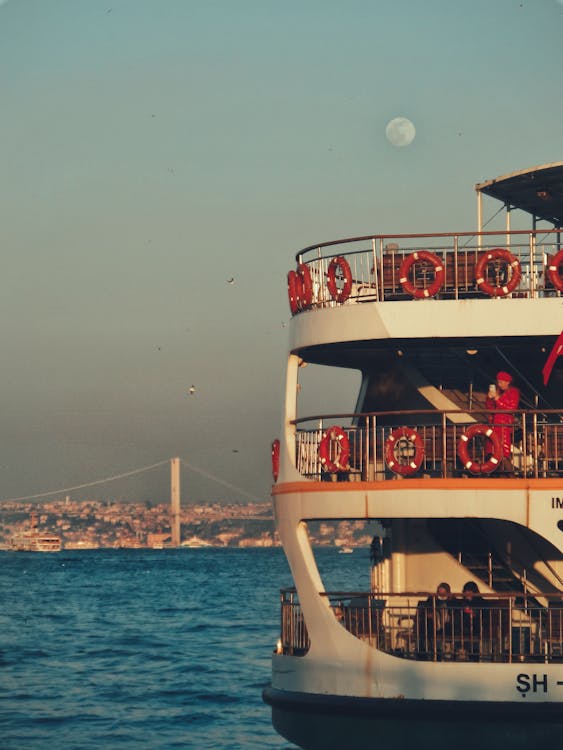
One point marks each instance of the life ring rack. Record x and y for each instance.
(488, 466)
(497, 254)
(553, 271)
(414, 464)
(340, 462)
(342, 294)
(409, 286)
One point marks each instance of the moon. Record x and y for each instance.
(400, 131)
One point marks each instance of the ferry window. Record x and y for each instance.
(327, 390)
(342, 552)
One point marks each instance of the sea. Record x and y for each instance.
(134, 649)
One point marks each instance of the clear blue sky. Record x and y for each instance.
(151, 150)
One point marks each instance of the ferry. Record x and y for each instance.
(34, 540)
(453, 453)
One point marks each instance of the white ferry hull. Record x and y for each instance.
(451, 462)
(34, 540)
(35, 544)
(375, 698)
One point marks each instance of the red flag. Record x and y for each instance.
(550, 361)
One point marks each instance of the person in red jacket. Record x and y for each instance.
(504, 396)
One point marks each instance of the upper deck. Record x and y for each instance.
(506, 265)
(447, 266)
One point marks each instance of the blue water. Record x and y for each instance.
(133, 649)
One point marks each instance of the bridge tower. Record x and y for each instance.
(175, 502)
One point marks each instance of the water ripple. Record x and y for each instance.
(139, 650)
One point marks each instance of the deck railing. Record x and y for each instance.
(507, 628)
(536, 438)
(375, 262)
(294, 636)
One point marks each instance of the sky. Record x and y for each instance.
(154, 150)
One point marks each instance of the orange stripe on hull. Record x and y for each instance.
(555, 483)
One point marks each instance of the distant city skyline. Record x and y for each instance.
(99, 524)
(162, 164)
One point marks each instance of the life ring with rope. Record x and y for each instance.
(335, 460)
(488, 466)
(409, 286)
(300, 289)
(512, 262)
(412, 437)
(553, 271)
(275, 459)
(342, 294)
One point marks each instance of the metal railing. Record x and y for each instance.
(375, 262)
(417, 626)
(536, 438)
(294, 636)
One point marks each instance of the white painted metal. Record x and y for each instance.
(338, 663)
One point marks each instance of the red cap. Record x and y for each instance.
(504, 376)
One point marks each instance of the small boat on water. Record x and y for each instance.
(459, 638)
(345, 551)
(195, 543)
(34, 540)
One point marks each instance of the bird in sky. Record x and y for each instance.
(231, 280)
(191, 390)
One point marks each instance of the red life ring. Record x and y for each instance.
(409, 287)
(492, 462)
(292, 292)
(305, 286)
(335, 435)
(553, 271)
(339, 295)
(300, 289)
(414, 464)
(275, 459)
(497, 254)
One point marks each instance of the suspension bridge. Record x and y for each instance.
(175, 489)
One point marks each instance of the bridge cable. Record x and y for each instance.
(87, 484)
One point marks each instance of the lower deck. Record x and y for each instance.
(501, 629)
